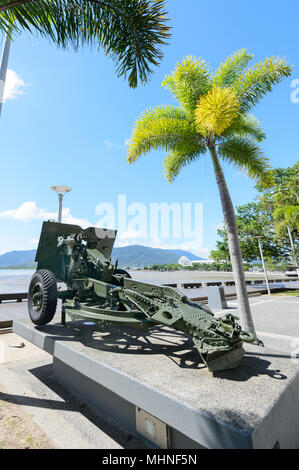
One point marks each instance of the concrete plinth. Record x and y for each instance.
(216, 297)
(158, 371)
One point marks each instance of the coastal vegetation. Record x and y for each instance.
(273, 217)
(223, 266)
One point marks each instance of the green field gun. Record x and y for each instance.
(98, 291)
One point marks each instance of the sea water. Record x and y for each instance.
(15, 280)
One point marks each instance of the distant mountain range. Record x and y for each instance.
(22, 258)
(137, 256)
(132, 256)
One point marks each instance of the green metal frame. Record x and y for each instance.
(97, 293)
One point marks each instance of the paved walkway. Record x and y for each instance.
(15, 310)
(276, 319)
(12, 310)
(26, 380)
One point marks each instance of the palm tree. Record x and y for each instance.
(130, 31)
(213, 117)
(286, 222)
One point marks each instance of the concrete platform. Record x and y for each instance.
(254, 406)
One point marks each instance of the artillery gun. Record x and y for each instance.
(98, 291)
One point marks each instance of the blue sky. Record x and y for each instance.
(70, 117)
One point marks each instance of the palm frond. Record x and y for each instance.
(228, 71)
(216, 110)
(286, 216)
(167, 111)
(178, 159)
(246, 155)
(188, 82)
(256, 82)
(131, 32)
(154, 132)
(245, 126)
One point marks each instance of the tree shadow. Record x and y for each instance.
(157, 340)
(69, 402)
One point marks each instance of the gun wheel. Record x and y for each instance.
(42, 297)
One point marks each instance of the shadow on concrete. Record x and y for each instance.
(160, 340)
(177, 346)
(37, 402)
(70, 403)
(251, 366)
(174, 344)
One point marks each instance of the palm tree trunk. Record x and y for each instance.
(233, 243)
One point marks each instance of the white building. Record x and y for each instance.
(203, 261)
(184, 261)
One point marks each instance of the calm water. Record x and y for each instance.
(15, 280)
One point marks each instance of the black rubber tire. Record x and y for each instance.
(44, 281)
(123, 271)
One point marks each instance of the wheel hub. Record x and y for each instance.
(37, 297)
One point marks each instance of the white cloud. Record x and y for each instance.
(110, 145)
(130, 237)
(67, 218)
(129, 234)
(29, 211)
(239, 173)
(127, 242)
(219, 226)
(14, 85)
(202, 252)
(33, 242)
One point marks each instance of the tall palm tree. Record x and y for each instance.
(213, 117)
(130, 31)
(286, 220)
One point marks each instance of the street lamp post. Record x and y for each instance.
(290, 234)
(264, 265)
(3, 68)
(61, 191)
(292, 245)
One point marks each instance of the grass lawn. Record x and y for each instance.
(293, 292)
